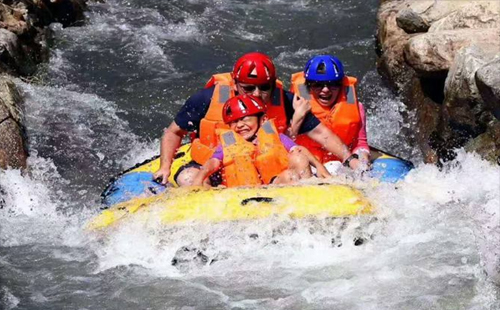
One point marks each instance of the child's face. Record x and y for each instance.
(246, 126)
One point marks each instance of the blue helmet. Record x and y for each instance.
(324, 68)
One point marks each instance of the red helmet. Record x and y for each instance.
(241, 106)
(254, 68)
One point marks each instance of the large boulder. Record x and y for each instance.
(13, 152)
(411, 22)
(474, 15)
(463, 103)
(431, 54)
(464, 114)
(488, 83)
(391, 40)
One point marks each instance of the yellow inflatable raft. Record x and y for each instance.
(181, 205)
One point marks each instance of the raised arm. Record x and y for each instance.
(301, 107)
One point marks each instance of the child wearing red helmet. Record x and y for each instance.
(252, 152)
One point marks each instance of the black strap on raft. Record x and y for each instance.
(246, 201)
(107, 191)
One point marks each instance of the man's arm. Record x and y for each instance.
(332, 143)
(187, 119)
(170, 142)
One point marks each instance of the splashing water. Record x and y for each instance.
(114, 83)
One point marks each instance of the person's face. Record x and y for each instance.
(263, 91)
(325, 93)
(246, 126)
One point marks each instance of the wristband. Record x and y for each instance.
(349, 159)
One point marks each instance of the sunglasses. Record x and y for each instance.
(319, 85)
(251, 88)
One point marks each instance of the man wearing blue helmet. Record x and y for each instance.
(333, 101)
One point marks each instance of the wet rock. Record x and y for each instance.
(488, 83)
(12, 153)
(23, 46)
(11, 54)
(12, 147)
(411, 22)
(391, 40)
(14, 19)
(417, 65)
(487, 144)
(463, 105)
(23, 24)
(460, 83)
(431, 54)
(189, 255)
(474, 15)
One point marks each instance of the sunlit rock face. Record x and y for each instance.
(440, 56)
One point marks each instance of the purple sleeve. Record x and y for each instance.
(219, 153)
(287, 142)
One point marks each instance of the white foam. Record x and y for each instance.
(424, 232)
(8, 300)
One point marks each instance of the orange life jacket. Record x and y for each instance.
(246, 164)
(343, 119)
(203, 147)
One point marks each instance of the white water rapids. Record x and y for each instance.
(115, 82)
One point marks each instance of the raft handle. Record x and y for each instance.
(244, 202)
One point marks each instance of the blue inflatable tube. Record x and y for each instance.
(390, 169)
(131, 185)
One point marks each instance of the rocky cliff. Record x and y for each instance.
(443, 58)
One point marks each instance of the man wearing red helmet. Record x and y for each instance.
(253, 74)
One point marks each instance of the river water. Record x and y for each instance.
(99, 107)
